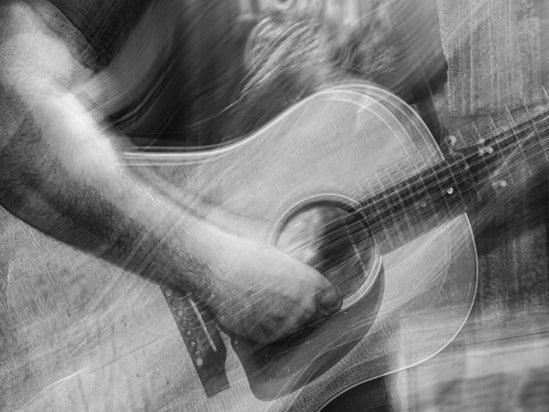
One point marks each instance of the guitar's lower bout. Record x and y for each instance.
(285, 366)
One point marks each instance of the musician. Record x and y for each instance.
(60, 153)
(72, 76)
(60, 171)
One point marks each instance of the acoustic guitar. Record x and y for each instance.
(350, 181)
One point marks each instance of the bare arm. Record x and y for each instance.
(60, 172)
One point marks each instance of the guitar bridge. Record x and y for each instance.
(202, 340)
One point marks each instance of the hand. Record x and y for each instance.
(262, 294)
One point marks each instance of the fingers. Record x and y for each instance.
(277, 297)
(329, 299)
(295, 319)
(320, 299)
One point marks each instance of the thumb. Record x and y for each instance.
(329, 298)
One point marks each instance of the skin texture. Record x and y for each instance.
(60, 172)
(59, 156)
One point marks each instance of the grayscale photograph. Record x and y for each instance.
(274, 205)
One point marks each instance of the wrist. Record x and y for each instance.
(187, 249)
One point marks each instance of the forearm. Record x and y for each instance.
(60, 172)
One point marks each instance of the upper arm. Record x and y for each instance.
(35, 66)
(33, 60)
(37, 72)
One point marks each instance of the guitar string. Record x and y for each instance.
(448, 167)
(437, 183)
(514, 146)
(499, 162)
(526, 119)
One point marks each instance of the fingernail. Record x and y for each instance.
(330, 301)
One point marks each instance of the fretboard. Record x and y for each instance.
(462, 178)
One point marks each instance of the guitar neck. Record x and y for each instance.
(519, 143)
(467, 175)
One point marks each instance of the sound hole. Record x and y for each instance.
(327, 234)
(333, 239)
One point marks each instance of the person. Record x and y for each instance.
(60, 168)
(73, 76)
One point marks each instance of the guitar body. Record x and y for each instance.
(85, 335)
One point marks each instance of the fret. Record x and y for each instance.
(392, 208)
(484, 154)
(495, 130)
(519, 137)
(461, 178)
(429, 185)
(420, 187)
(405, 203)
(405, 197)
(501, 149)
(539, 139)
(498, 160)
(387, 195)
(479, 139)
(446, 187)
(458, 138)
(370, 209)
(492, 163)
(380, 207)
